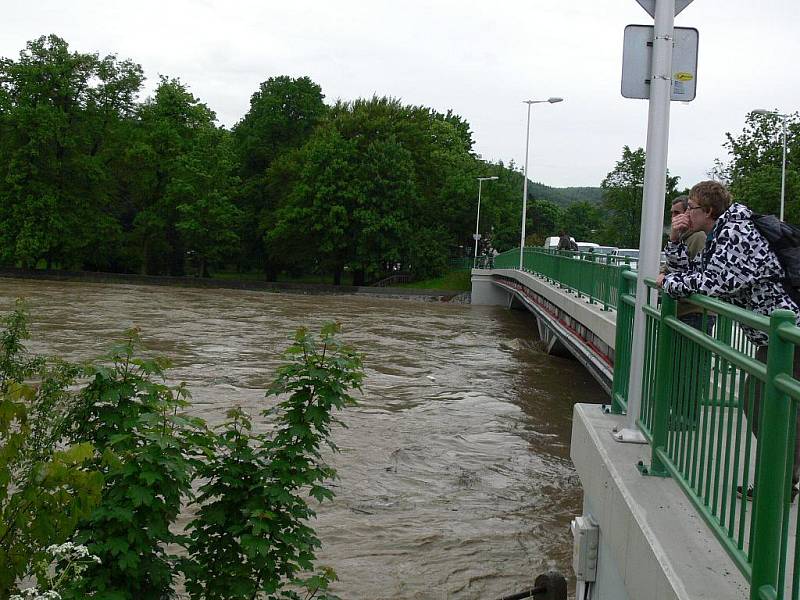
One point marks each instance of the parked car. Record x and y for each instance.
(631, 254)
(587, 246)
(605, 250)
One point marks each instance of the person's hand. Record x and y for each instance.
(660, 279)
(680, 224)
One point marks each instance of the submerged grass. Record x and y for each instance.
(454, 280)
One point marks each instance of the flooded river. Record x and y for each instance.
(455, 477)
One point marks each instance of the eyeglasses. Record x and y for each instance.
(688, 208)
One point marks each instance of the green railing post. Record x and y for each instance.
(773, 453)
(665, 351)
(621, 348)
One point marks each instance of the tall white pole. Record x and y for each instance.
(477, 223)
(783, 167)
(655, 175)
(525, 186)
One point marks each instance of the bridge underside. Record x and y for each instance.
(568, 325)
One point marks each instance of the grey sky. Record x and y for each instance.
(479, 58)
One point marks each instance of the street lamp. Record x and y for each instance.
(761, 111)
(477, 235)
(551, 100)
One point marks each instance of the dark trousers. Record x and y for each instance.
(696, 320)
(761, 355)
(688, 415)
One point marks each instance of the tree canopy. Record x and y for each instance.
(754, 170)
(94, 177)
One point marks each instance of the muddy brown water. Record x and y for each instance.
(455, 476)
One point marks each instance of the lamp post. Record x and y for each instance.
(551, 100)
(477, 235)
(761, 111)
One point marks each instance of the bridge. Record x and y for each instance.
(672, 520)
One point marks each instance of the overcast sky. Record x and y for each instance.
(479, 58)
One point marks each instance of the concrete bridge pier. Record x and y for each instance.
(486, 293)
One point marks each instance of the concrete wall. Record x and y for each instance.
(485, 292)
(653, 543)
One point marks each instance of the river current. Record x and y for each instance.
(455, 476)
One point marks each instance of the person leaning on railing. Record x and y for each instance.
(695, 241)
(736, 265)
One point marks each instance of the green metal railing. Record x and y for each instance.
(594, 276)
(464, 263)
(718, 421)
(718, 412)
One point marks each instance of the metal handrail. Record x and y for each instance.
(718, 420)
(585, 274)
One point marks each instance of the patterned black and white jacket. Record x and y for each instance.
(736, 266)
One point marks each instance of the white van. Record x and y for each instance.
(551, 243)
(587, 247)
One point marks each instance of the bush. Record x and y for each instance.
(128, 458)
(46, 484)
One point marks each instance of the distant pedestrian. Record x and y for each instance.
(565, 242)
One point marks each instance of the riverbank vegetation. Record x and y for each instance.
(98, 460)
(93, 177)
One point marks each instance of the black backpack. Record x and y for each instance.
(784, 241)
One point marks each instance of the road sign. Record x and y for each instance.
(650, 6)
(637, 53)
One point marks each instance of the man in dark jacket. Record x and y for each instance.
(565, 242)
(736, 265)
(695, 242)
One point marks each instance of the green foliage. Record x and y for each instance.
(147, 451)
(250, 537)
(378, 184)
(283, 114)
(92, 178)
(46, 485)
(60, 122)
(622, 199)
(754, 170)
(582, 220)
(452, 280)
(182, 181)
(564, 197)
(110, 463)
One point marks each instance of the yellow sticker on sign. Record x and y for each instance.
(684, 76)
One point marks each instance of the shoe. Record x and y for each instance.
(749, 493)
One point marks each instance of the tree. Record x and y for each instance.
(582, 220)
(202, 188)
(376, 183)
(173, 128)
(283, 114)
(622, 198)
(61, 114)
(754, 170)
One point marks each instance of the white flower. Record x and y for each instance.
(34, 594)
